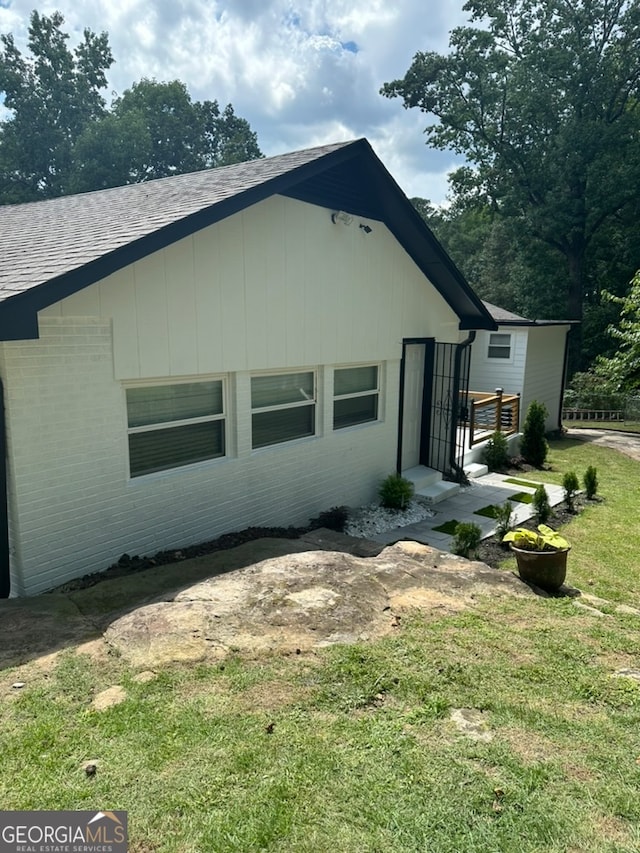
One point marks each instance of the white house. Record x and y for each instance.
(248, 345)
(526, 357)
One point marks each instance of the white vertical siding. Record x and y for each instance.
(534, 370)
(487, 374)
(274, 286)
(544, 370)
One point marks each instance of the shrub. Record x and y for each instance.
(395, 492)
(570, 484)
(533, 446)
(503, 518)
(541, 504)
(496, 453)
(333, 519)
(590, 481)
(466, 538)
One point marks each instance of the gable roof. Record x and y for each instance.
(508, 318)
(51, 249)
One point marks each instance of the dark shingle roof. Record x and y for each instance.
(501, 315)
(44, 239)
(508, 318)
(51, 249)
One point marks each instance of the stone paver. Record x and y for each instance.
(490, 489)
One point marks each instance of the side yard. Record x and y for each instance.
(356, 748)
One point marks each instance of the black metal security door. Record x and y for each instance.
(448, 405)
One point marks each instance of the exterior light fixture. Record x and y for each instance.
(341, 218)
(366, 228)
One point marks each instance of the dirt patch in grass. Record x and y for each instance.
(271, 696)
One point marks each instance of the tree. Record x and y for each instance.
(61, 138)
(52, 95)
(623, 369)
(155, 130)
(541, 97)
(503, 264)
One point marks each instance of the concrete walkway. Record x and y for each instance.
(483, 492)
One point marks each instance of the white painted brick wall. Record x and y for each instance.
(74, 509)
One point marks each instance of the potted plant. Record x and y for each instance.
(541, 556)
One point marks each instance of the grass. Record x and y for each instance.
(351, 748)
(522, 497)
(488, 511)
(518, 482)
(448, 527)
(619, 426)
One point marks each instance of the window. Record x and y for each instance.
(283, 408)
(499, 346)
(355, 392)
(175, 425)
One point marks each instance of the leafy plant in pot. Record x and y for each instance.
(541, 556)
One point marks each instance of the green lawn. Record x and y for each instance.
(351, 748)
(623, 426)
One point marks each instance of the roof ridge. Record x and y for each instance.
(218, 170)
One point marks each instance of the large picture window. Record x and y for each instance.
(355, 396)
(499, 345)
(283, 408)
(175, 425)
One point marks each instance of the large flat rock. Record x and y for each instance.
(303, 600)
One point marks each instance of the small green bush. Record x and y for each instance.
(590, 481)
(496, 453)
(333, 519)
(533, 445)
(570, 484)
(395, 492)
(503, 518)
(466, 538)
(541, 504)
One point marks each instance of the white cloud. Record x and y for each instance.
(302, 72)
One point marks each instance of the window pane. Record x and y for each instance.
(282, 425)
(499, 340)
(160, 449)
(157, 404)
(499, 352)
(281, 390)
(352, 380)
(356, 410)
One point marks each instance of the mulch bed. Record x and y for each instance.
(489, 551)
(492, 552)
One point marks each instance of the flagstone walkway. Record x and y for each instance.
(483, 492)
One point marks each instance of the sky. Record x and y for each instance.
(302, 72)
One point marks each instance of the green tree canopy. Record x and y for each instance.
(541, 97)
(155, 130)
(622, 370)
(52, 94)
(60, 137)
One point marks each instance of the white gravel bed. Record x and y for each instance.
(368, 520)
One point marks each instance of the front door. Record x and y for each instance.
(412, 404)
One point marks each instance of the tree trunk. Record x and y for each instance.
(575, 262)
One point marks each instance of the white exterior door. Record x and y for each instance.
(412, 410)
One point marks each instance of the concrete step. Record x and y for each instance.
(439, 491)
(475, 469)
(422, 477)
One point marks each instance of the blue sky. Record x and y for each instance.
(302, 72)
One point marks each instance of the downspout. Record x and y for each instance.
(461, 476)
(5, 568)
(401, 411)
(565, 368)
